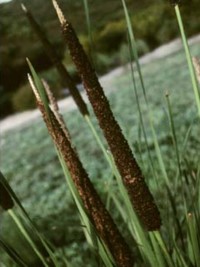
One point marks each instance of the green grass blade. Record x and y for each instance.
(91, 234)
(26, 218)
(195, 244)
(133, 46)
(189, 58)
(87, 14)
(13, 254)
(139, 110)
(99, 142)
(179, 256)
(174, 137)
(158, 252)
(163, 247)
(27, 237)
(137, 231)
(135, 54)
(39, 87)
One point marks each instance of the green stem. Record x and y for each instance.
(94, 132)
(188, 57)
(27, 237)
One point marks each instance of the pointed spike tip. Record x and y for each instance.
(27, 60)
(59, 12)
(35, 91)
(24, 8)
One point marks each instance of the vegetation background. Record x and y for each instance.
(154, 24)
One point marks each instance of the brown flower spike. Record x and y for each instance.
(133, 179)
(49, 49)
(99, 216)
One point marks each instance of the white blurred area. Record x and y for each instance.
(4, 1)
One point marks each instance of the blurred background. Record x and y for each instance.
(153, 23)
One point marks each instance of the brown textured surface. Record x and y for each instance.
(65, 76)
(131, 174)
(96, 210)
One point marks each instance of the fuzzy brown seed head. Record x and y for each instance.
(130, 172)
(96, 210)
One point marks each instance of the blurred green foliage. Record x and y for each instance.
(23, 99)
(153, 24)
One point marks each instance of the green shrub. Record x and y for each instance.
(111, 37)
(105, 62)
(23, 99)
(147, 23)
(167, 32)
(53, 78)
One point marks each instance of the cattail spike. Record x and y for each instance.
(35, 91)
(55, 108)
(50, 95)
(99, 216)
(24, 8)
(133, 179)
(59, 12)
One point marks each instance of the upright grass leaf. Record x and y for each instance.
(90, 232)
(163, 247)
(131, 174)
(131, 219)
(133, 48)
(177, 152)
(13, 254)
(99, 142)
(88, 21)
(28, 238)
(156, 144)
(174, 137)
(150, 117)
(180, 259)
(160, 258)
(188, 57)
(26, 219)
(40, 87)
(195, 243)
(7, 203)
